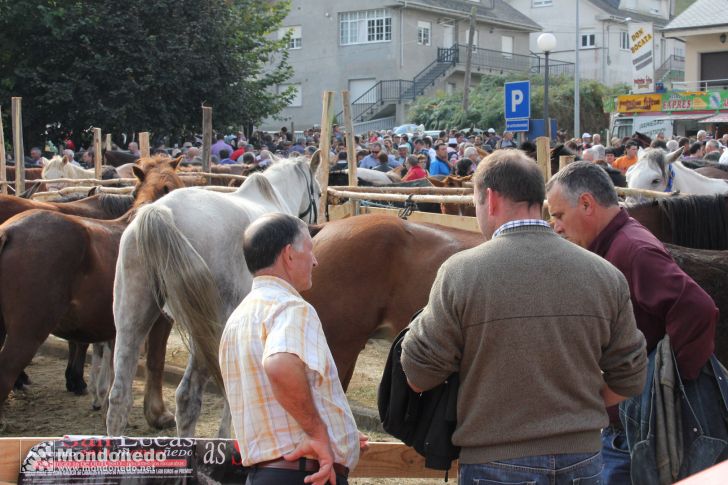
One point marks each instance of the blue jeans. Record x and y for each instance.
(616, 457)
(565, 469)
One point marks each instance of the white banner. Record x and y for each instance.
(643, 65)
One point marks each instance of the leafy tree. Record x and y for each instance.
(486, 104)
(141, 65)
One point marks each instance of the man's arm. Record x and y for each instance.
(287, 375)
(689, 313)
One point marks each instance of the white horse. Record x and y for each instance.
(186, 248)
(61, 168)
(660, 171)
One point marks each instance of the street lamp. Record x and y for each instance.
(546, 43)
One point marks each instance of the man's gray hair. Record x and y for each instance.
(581, 177)
(672, 145)
(713, 143)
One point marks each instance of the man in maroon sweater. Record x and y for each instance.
(584, 209)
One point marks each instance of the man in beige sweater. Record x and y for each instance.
(541, 332)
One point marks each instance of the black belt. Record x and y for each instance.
(301, 465)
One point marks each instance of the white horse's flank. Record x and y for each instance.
(187, 247)
(655, 170)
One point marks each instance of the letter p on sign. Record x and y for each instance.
(517, 100)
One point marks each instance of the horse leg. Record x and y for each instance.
(155, 411)
(15, 355)
(101, 373)
(189, 395)
(23, 380)
(135, 311)
(74, 368)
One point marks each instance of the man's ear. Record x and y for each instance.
(492, 201)
(587, 203)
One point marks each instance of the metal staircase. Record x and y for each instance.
(672, 70)
(380, 99)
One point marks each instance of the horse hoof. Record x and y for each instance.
(165, 421)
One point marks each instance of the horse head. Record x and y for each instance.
(156, 177)
(55, 169)
(652, 170)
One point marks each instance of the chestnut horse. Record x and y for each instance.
(375, 271)
(100, 206)
(57, 274)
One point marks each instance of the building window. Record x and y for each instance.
(365, 26)
(507, 46)
(624, 41)
(297, 97)
(679, 52)
(296, 41)
(542, 3)
(588, 41)
(424, 33)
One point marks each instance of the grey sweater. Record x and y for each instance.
(530, 321)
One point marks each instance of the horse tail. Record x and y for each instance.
(183, 282)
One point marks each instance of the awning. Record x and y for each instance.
(719, 118)
(685, 116)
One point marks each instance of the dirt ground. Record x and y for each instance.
(46, 409)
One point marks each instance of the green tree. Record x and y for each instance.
(486, 104)
(141, 65)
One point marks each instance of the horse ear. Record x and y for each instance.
(92, 191)
(671, 157)
(174, 163)
(138, 172)
(315, 160)
(436, 182)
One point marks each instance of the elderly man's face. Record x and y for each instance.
(35, 154)
(567, 219)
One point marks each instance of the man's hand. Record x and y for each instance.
(321, 449)
(363, 441)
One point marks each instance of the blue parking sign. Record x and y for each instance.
(518, 100)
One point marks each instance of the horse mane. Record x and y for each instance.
(693, 164)
(258, 181)
(71, 198)
(115, 205)
(697, 221)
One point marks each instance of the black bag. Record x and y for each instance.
(425, 421)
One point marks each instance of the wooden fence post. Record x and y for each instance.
(3, 173)
(97, 153)
(543, 156)
(350, 148)
(17, 115)
(206, 137)
(325, 150)
(107, 143)
(144, 144)
(564, 160)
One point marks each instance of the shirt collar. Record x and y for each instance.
(600, 245)
(268, 281)
(519, 223)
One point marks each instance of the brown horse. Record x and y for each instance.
(458, 182)
(30, 174)
(100, 206)
(375, 271)
(57, 274)
(695, 221)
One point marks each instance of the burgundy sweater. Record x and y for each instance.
(664, 298)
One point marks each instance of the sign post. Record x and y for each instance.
(517, 105)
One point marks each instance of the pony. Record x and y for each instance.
(57, 273)
(183, 253)
(117, 158)
(58, 168)
(710, 169)
(660, 171)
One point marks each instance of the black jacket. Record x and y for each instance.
(424, 421)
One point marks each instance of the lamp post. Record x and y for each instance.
(546, 43)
